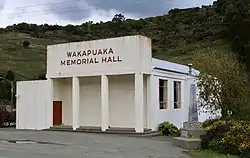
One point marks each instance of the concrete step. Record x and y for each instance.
(89, 129)
(187, 143)
(123, 131)
(130, 131)
(116, 129)
(61, 128)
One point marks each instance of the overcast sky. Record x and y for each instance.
(78, 11)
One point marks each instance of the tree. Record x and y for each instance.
(223, 85)
(5, 93)
(118, 18)
(8, 80)
(26, 44)
(10, 75)
(41, 77)
(236, 19)
(90, 23)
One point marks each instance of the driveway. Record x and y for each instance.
(48, 144)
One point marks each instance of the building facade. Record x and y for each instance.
(109, 83)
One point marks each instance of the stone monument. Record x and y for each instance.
(192, 129)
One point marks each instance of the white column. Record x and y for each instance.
(105, 102)
(139, 102)
(75, 102)
(150, 102)
(50, 102)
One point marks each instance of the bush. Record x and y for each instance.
(168, 129)
(6, 117)
(26, 44)
(213, 132)
(237, 138)
(245, 154)
(217, 146)
(231, 137)
(209, 122)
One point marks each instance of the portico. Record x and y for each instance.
(102, 83)
(106, 101)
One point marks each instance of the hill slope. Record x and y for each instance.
(175, 37)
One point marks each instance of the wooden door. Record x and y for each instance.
(57, 112)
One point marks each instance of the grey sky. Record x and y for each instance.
(64, 12)
(71, 10)
(141, 8)
(2, 2)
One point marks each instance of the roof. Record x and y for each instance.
(170, 66)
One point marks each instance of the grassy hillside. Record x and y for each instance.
(175, 37)
(26, 63)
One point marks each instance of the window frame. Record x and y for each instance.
(178, 87)
(163, 102)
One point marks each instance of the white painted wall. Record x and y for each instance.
(130, 49)
(145, 52)
(121, 101)
(175, 116)
(90, 101)
(63, 92)
(145, 125)
(32, 105)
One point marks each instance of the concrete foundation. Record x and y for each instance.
(119, 131)
(187, 143)
(192, 133)
(190, 136)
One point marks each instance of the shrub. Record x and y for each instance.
(168, 129)
(26, 44)
(245, 154)
(237, 138)
(231, 137)
(213, 132)
(209, 122)
(217, 146)
(7, 117)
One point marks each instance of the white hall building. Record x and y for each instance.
(108, 83)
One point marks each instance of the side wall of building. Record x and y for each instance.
(32, 105)
(175, 116)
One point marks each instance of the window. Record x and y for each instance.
(177, 95)
(163, 94)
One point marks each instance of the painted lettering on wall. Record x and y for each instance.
(95, 56)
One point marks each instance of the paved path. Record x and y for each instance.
(82, 145)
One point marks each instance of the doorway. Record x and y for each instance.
(57, 113)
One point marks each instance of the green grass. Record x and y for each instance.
(186, 55)
(27, 62)
(207, 154)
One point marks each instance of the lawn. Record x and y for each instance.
(207, 154)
